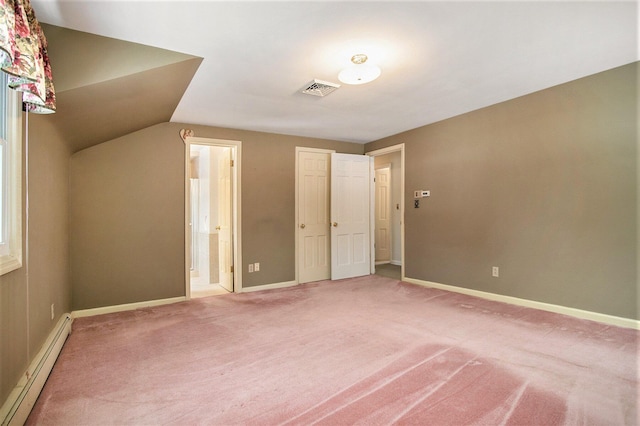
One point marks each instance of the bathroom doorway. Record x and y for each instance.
(211, 219)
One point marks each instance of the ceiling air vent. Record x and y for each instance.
(319, 88)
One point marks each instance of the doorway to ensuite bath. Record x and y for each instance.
(211, 216)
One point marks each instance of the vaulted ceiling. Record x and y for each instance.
(107, 88)
(123, 65)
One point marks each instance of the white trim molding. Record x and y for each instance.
(558, 309)
(21, 400)
(11, 247)
(269, 286)
(125, 307)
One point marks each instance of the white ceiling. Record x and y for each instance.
(438, 59)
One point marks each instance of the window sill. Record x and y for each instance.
(9, 263)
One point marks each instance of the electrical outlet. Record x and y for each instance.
(256, 267)
(53, 311)
(250, 267)
(495, 271)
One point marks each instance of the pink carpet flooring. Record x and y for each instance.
(369, 351)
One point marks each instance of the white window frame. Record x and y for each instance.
(11, 191)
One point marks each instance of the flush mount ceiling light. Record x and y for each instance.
(360, 72)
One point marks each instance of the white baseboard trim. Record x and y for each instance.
(125, 307)
(386, 262)
(269, 286)
(577, 313)
(21, 400)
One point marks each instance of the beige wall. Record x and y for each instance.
(25, 316)
(268, 201)
(127, 212)
(127, 220)
(543, 186)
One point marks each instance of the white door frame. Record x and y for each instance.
(236, 201)
(297, 215)
(376, 153)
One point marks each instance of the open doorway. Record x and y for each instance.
(211, 212)
(388, 229)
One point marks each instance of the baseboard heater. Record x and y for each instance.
(23, 397)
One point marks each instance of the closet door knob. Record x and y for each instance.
(302, 225)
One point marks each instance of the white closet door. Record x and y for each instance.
(350, 215)
(313, 216)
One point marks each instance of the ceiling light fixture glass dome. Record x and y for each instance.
(359, 72)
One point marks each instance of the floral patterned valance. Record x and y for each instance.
(23, 55)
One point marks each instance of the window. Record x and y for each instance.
(10, 178)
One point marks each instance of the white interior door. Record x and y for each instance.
(313, 216)
(350, 215)
(383, 215)
(224, 219)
